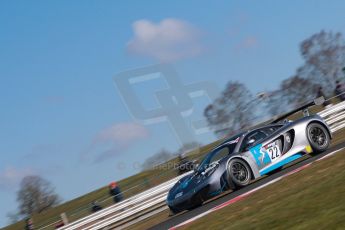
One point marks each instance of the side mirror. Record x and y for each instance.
(249, 144)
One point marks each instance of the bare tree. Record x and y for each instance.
(232, 111)
(163, 155)
(35, 196)
(273, 103)
(324, 55)
(297, 90)
(156, 159)
(12, 217)
(187, 147)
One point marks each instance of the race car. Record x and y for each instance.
(247, 156)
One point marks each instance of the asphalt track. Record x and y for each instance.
(175, 220)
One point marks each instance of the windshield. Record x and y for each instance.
(216, 155)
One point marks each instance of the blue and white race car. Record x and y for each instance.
(248, 156)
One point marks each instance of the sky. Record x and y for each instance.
(63, 115)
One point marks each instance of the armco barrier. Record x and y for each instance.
(123, 207)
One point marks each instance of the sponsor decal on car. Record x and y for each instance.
(260, 155)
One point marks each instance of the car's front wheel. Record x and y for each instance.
(318, 137)
(239, 172)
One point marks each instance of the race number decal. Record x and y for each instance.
(273, 151)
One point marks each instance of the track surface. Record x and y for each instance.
(175, 220)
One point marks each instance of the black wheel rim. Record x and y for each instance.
(318, 136)
(239, 172)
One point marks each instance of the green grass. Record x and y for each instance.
(310, 199)
(79, 207)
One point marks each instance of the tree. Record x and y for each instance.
(156, 159)
(163, 155)
(35, 196)
(324, 55)
(274, 103)
(12, 217)
(297, 90)
(232, 111)
(188, 147)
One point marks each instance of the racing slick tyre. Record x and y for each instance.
(318, 137)
(239, 173)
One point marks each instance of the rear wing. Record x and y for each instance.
(304, 108)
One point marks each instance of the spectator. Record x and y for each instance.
(95, 206)
(29, 224)
(59, 224)
(115, 191)
(339, 90)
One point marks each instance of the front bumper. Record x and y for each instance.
(189, 199)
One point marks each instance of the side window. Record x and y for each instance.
(272, 129)
(251, 139)
(221, 153)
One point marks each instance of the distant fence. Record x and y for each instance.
(126, 208)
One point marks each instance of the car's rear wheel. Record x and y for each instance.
(239, 172)
(318, 137)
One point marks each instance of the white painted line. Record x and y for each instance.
(330, 154)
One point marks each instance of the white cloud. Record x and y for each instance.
(168, 40)
(247, 43)
(122, 133)
(115, 139)
(10, 176)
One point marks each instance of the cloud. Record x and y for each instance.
(168, 40)
(248, 42)
(122, 134)
(11, 176)
(115, 139)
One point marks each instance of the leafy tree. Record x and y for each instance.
(35, 196)
(324, 56)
